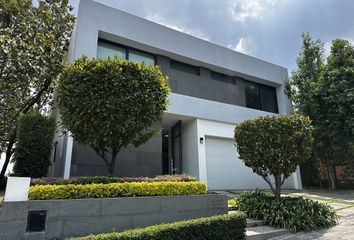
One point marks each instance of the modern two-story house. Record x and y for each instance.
(213, 88)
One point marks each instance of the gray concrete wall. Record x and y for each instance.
(145, 160)
(81, 217)
(203, 86)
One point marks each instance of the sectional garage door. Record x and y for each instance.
(225, 170)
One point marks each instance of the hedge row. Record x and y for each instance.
(226, 227)
(296, 214)
(106, 179)
(113, 190)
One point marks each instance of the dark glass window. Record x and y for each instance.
(261, 97)
(107, 49)
(253, 96)
(269, 99)
(184, 67)
(222, 77)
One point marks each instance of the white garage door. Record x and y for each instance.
(225, 170)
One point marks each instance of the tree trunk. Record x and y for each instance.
(112, 165)
(332, 177)
(9, 152)
(277, 186)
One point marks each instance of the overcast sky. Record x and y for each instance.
(267, 29)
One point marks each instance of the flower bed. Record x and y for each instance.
(296, 214)
(106, 179)
(113, 190)
(226, 227)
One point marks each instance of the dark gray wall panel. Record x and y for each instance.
(145, 160)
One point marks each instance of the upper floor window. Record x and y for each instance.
(222, 77)
(139, 56)
(262, 97)
(184, 67)
(106, 49)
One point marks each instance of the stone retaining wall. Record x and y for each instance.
(84, 216)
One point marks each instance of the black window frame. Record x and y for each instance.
(222, 77)
(184, 67)
(127, 48)
(261, 88)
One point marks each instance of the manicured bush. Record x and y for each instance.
(225, 227)
(110, 104)
(273, 146)
(296, 214)
(35, 135)
(107, 179)
(113, 190)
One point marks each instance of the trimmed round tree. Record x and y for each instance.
(273, 146)
(109, 104)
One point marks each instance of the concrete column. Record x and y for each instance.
(68, 156)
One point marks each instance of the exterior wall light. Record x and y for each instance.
(201, 140)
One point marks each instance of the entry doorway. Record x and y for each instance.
(172, 149)
(176, 148)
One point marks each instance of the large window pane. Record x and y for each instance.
(184, 67)
(222, 77)
(253, 98)
(138, 56)
(269, 99)
(105, 50)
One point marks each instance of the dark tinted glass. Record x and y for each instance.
(269, 99)
(262, 97)
(253, 98)
(222, 77)
(184, 67)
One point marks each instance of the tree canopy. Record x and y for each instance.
(35, 135)
(33, 42)
(324, 91)
(109, 104)
(273, 146)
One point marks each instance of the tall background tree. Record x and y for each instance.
(325, 92)
(109, 104)
(33, 44)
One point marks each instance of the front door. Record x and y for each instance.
(176, 151)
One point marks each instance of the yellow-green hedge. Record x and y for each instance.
(112, 190)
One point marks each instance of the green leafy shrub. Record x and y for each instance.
(296, 214)
(110, 104)
(108, 179)
(273, 146)
(225, 227)
(35, 135)
(113, 190)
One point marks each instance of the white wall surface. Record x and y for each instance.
(190, 148)
(17, 189)
(224, 130)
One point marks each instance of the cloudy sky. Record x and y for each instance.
(267, 29)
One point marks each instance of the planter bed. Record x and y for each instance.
(226, 227)
(113, 190)
(80, 217)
